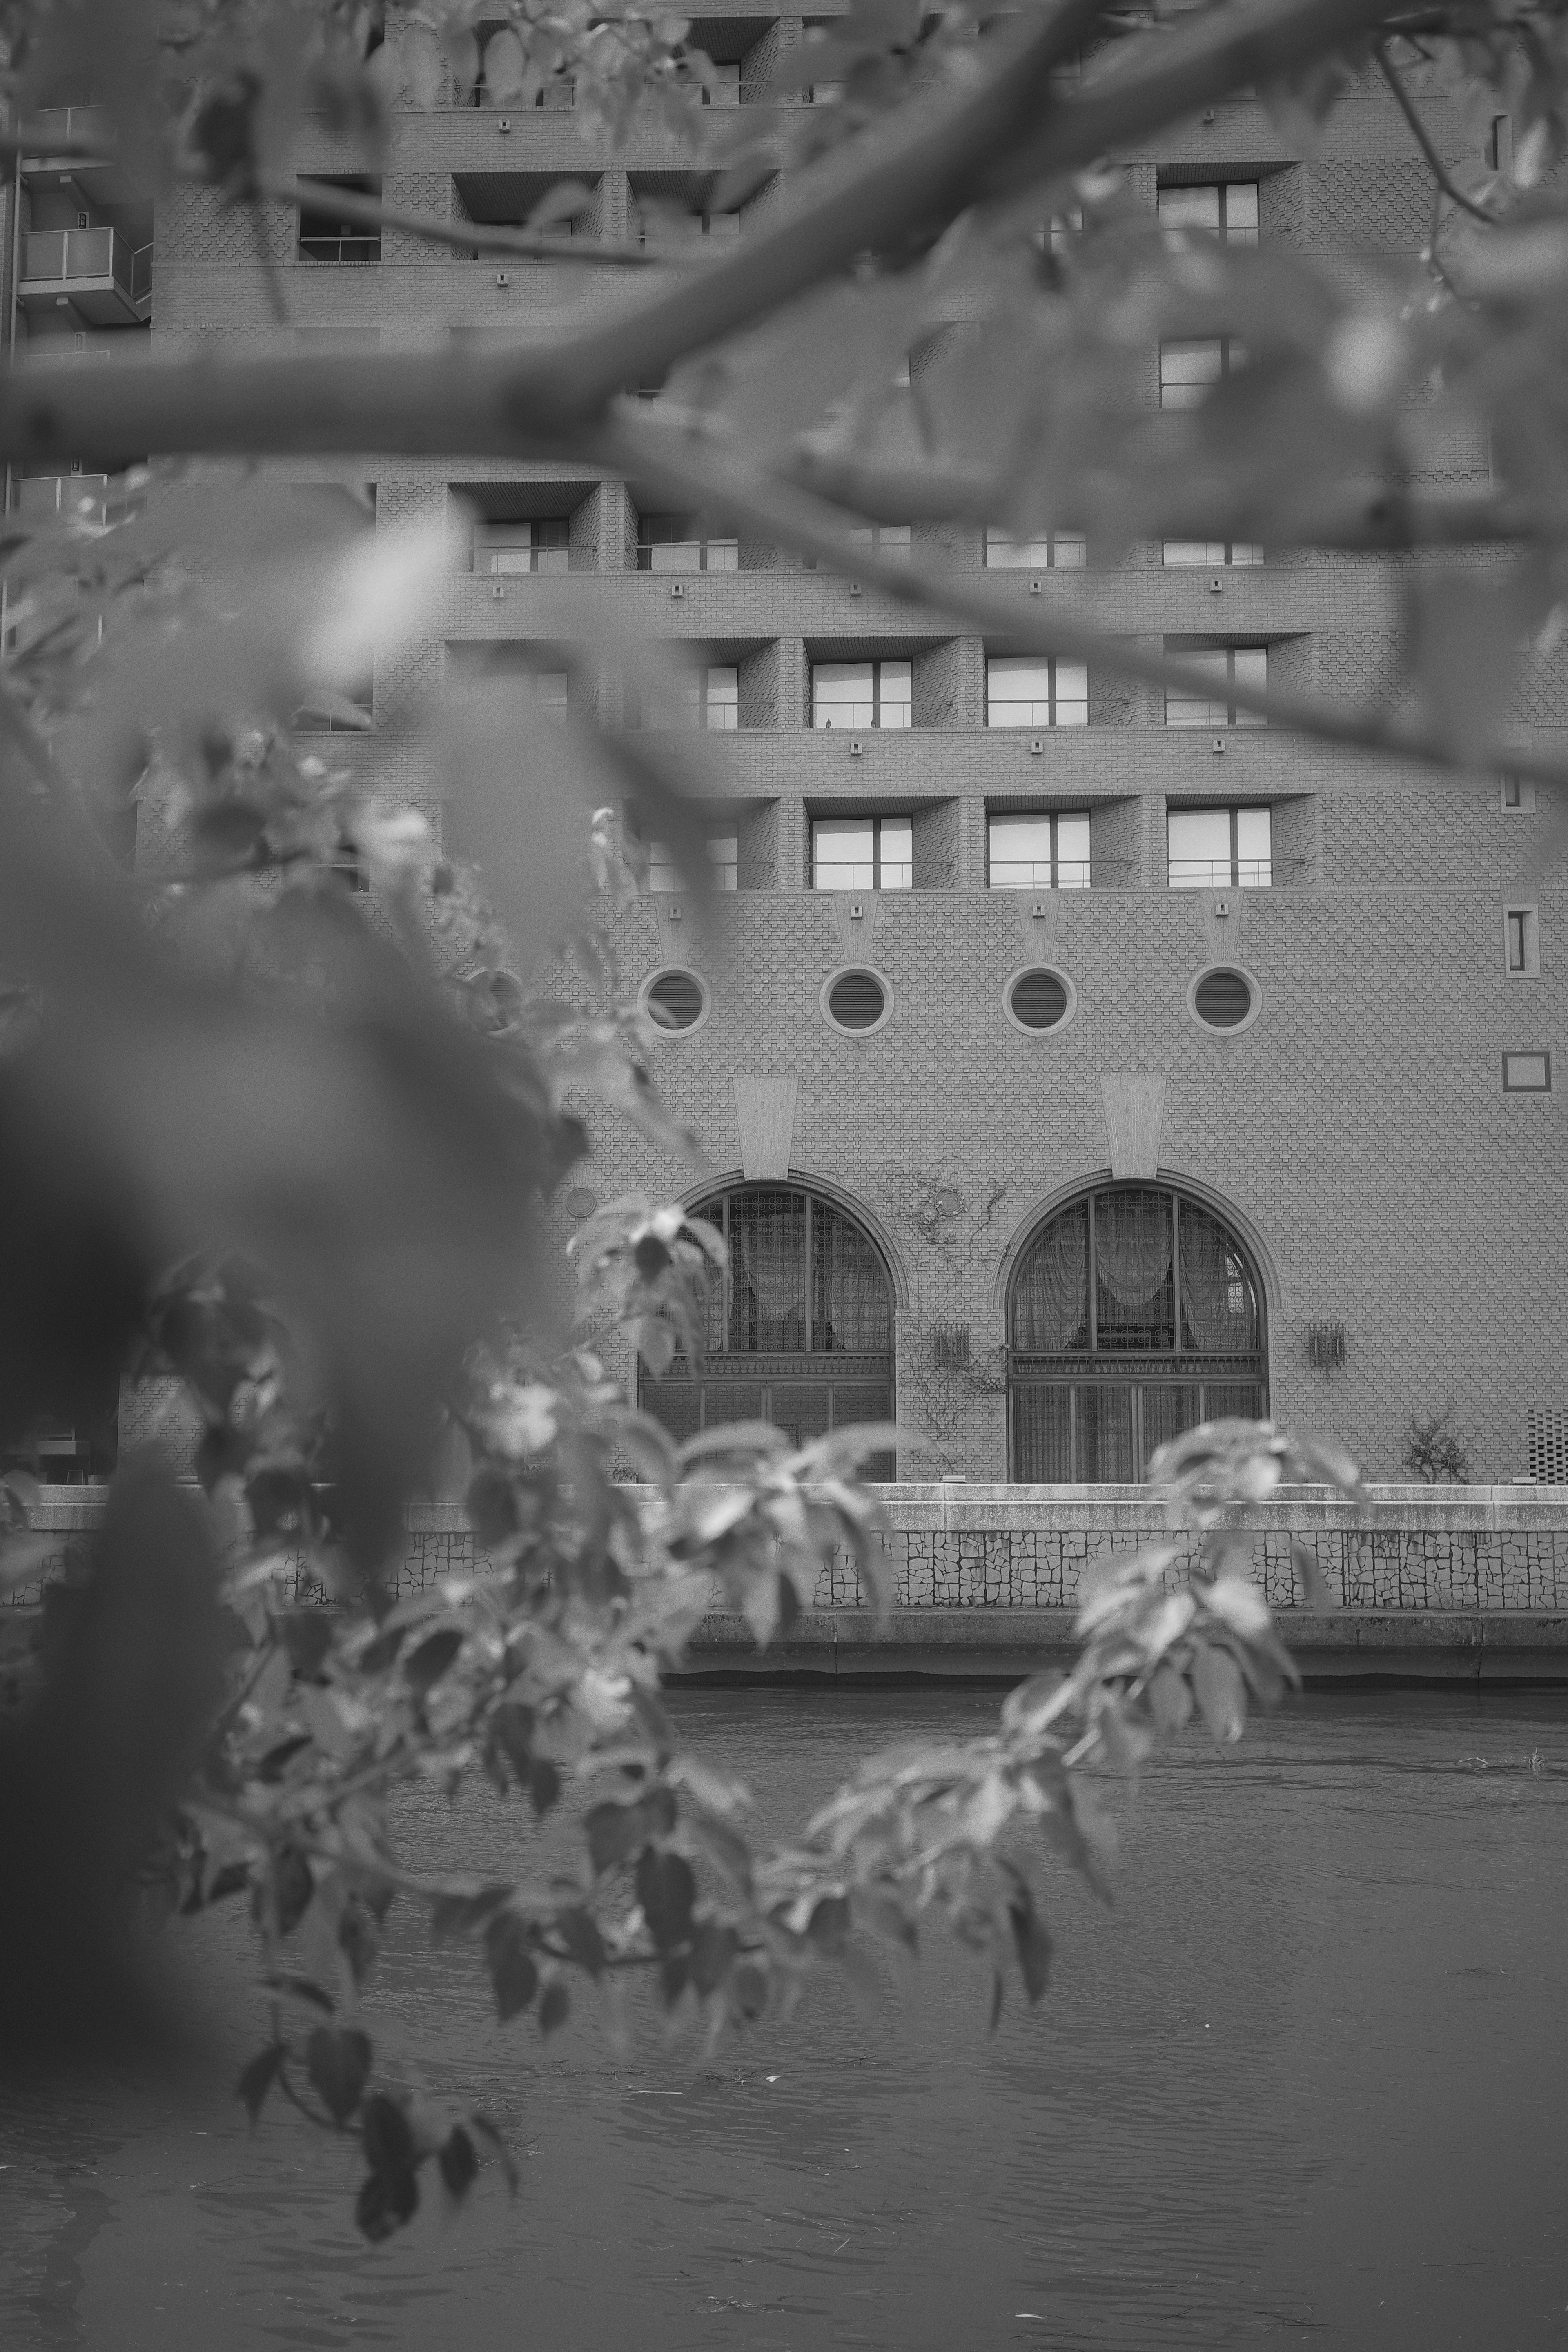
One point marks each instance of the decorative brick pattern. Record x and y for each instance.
(1365, 206)
(405, 680)
(196, 226)
(416, 192)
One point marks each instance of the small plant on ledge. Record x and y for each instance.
(1433, 1452)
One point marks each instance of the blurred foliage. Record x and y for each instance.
(283, 1103)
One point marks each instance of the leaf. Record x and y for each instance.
(511, 1727)
(514, 1973)
(385, 2135)
(1220, 1693)
(582, 1938)
(554, 2008)
(1170, 1700)
(544, 1787)
(499, 2148)
(1031, 1942)
(457, 1914)
(337, 2059)
(1237, 1603)
(258, 2078)
(459, 2162)
(713, 1951)
(421, 58)
(292, 1887)
(830, 1924)
(616, 1833)
(463, 57)
(504, 67)
(431, 1659)
(748, 1990)
(666, 1890)
(325, 1723)
(386, 2201)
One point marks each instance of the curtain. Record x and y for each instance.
(852, 1307)
(1050, 1302)
(1132, 1258)
(1042, 1433)
(1207, 1258)
(767, 1272)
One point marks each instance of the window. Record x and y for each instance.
(1219, 848)
(712, 697)
(1189, 370)
(1209, 554)
(544, 546)
(681, 544)
(1518, 798)
(723, 86)
(1134, 1314)
(800, 1324)
(862, 853)
(1229, 667)
(1049, 550)
(1500, 144)
(723, 848)
(1226, 209)
(1522, 943)
(885, 538)
(325, 234)
(1038, 852)
(658, 223)
(1527, 1073)
(1035, 690)
(862, 693)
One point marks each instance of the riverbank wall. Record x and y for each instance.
(1424, 1584)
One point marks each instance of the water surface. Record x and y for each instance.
(1307, 2082)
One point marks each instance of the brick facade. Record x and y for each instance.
(1356, 1132)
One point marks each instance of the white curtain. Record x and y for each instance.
(1132, 1245)
(1205, 1288)
(1048, 1306)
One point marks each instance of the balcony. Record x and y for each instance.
(92, 272)
(58, 129)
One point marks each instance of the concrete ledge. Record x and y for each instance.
(1002, 1645)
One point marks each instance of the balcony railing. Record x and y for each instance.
(1220, 874)
(1027, 874)
(94, 271)
(53, 130)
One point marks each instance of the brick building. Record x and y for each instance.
(1065, 1077)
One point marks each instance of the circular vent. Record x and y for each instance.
(675, 1001)
(580, 1202)
(1038, 1000)
(1224, 998)
(856, 1001)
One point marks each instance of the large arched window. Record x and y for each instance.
(1134, 1314)
(800, 1332)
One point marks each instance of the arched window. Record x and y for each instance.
(1134, 1314)
(800, 1331)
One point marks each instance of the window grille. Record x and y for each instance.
(1038, 852)
(862, 693)
(949, 1346)
(1229, 666)
(1134, 1314)
(1326, 1346)
(862, 853)
(1219, 848)
(1036, 690)
(1548, 1441)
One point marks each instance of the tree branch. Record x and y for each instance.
(795, 519)
(1434, 162)
(529, 245)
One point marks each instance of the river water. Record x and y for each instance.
(1306, 2082)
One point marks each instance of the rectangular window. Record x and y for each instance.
(861, 694)
(884, 538)
(1226, 209)
(712, 697)
(542, 546)
(1038, 852)
(1518, 798)
(680, 543)
(1522, 943)
(1527, 1073)
(723, 859)
(862, 853)
(723, 86)
(325, 234)
(1229, 666)
(1209, 554)
(1036, 690)
(1219, 848)
(1190, 369)
(1048, 551)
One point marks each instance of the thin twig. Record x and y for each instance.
(795, 519)
(1434, 162)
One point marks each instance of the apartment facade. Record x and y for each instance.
(1071, 1061)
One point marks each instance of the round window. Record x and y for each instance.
(675, 1001)
(1224, 998)
(856, 1001)
(1038, 1000)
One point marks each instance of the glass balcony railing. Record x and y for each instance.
(1035, 873)
(94, 259)
(1220, 874)
(53, 129)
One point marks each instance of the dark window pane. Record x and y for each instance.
(1105, 1435)
(1038, 999)
(767, 1272)
(852, 1300)
(857, 1001)
(1223, 999)
(728, 1401)
(676, 1402)
(1169, 1408)
(1042, 1433)
(1233, 1400)
(675, 1001)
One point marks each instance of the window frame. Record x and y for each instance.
(1053, 817)
(1232, 810)
(1233, 357)
(877, 820)
(1245, 235)
(876, 665)
(1233, 715)
(1054, 698)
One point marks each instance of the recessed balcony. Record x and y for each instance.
(93, 273)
